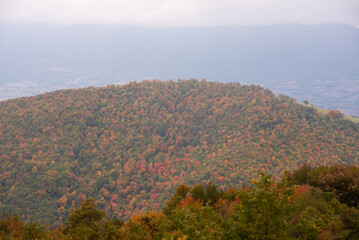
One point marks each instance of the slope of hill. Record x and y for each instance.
(323, 208)
(319, 63)
(130, 146)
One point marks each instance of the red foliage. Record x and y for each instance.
(335, 114)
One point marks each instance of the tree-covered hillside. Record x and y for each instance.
(266, 210)
(130, 146)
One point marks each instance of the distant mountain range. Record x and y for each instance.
(319, 63)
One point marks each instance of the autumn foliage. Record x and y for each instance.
(129, 147)
(267, 209)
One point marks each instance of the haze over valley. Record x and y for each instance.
(319, 63)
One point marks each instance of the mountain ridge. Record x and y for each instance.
(129, 146)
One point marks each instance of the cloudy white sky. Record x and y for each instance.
(159, 13)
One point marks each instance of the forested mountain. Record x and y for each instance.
(130, 146)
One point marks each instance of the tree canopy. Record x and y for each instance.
(129, 147)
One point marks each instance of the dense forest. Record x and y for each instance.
(129, 147)
(309, 203)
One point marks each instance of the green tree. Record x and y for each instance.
(198, 192)
(212, 194)
(308, 225)
(263, 212)
(193, 221)
(143, 226)
(181, 193)
(33, 231)
(85, 221)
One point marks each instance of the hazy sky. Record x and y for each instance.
(180, 12)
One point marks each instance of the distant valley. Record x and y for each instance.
(319, 63)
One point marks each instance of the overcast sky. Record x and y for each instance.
(159, 13)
